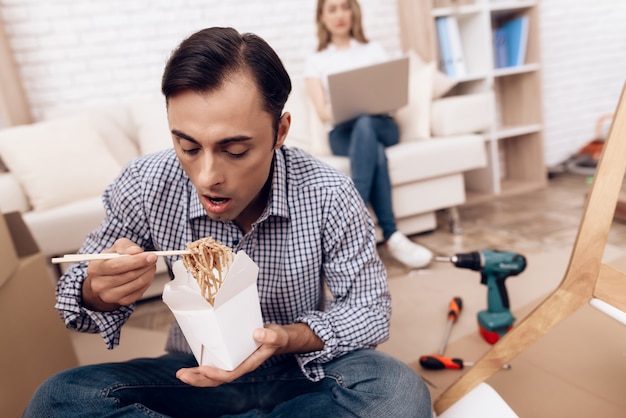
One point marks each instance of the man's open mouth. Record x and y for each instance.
(217, 200)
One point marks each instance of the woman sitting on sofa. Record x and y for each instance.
(343, 46)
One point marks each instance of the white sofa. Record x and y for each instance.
(58, 167)
(440, 140)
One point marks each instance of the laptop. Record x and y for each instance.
(375, 89)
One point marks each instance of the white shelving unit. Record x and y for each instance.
(514, 143)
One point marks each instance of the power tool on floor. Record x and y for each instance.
(494, 267)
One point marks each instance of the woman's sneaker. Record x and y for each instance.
(407, 252)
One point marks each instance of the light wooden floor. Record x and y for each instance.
(535, 222)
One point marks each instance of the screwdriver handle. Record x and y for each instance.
(456, 304)
(440, 362)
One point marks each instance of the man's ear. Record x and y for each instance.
(283, 129)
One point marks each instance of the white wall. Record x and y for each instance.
(76, 52)
(584, 69)
(73, 52)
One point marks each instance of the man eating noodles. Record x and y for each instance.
(322, 287)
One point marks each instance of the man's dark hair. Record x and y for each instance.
(203, 61)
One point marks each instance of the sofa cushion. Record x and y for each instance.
(58, 161)
(12, 198)
(414, 118)
(465, 114)
(149, 117)
(442, 84)
(63, 229)
(425, 196)
(425, 160)
(111, 121)
(412, 161)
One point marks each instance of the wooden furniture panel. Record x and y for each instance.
(586, 277)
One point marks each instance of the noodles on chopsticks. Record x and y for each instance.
(208, 263)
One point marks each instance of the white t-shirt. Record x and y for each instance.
(332, 60)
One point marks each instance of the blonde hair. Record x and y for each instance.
(356, 32)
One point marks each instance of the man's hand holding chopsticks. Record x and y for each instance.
(120, 281)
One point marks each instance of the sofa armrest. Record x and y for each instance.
(466, 114)
(62, 229)
(431, 158)
(12, 196)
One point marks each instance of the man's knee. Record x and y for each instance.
(74, 386)
(403, 391)
(390, 387)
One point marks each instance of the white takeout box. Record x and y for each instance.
(219, 335)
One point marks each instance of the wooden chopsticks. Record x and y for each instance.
(75, 258)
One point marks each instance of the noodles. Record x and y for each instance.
(208, 263)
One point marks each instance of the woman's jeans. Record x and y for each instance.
(364, 140)
(364, 383)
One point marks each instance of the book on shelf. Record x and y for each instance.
(456, 47)
(499, 48)
(445, 50)
(451, 56)
(516, 39)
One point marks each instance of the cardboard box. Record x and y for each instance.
(9, 260)
(34, 343)
(219, 335)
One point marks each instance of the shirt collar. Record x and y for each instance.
(353, 43)
(278, 195)
(277, 205)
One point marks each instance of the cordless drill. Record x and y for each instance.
(494, 267)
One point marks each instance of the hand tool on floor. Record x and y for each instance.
(436, 362)
(494, 267)
(456, 304)
(441, 362)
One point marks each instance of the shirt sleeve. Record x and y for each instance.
(121, 201)
(312, 67)
(359, 311)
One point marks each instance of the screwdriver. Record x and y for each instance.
(456, 304)
(440, 362)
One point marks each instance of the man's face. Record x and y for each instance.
(225, 143)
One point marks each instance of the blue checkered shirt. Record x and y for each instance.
(314, 245)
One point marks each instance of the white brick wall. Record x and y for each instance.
(584, 69)
(76, 52)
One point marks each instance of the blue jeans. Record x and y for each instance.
(364, 383)
(364, 140)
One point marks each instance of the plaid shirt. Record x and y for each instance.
(314, 235)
